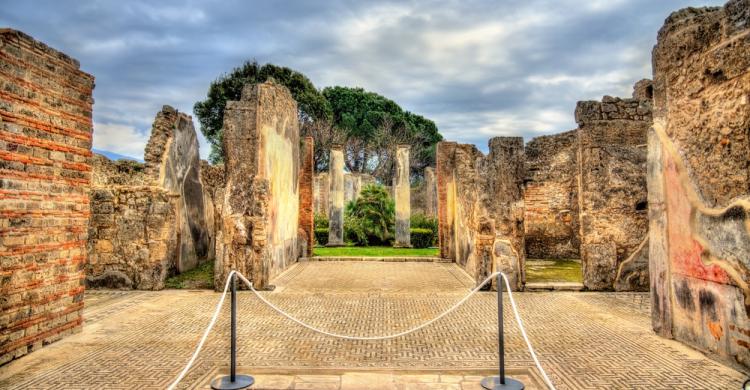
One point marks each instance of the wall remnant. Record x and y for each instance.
(698, 180)
(480, 207)
(260, 211)
(336, 197)
(151, 220)
(551, 197)
(402, 197)
(612, 191)
(306, 213)
(45, 148)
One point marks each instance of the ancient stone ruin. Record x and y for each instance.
(402, 197)
(260, 213)
(698, 184)
(45, 142)
(150, 220)
(480, 207)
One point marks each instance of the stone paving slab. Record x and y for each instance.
(585, 340)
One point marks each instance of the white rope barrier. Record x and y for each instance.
(205, 334)
(367, 338)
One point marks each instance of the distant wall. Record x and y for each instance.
(480, 207)
(699, 201)
(45, 153)
(259, 216)
(551, 197)
(613, 209)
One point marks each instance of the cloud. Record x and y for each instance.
(479, 68)
(121, 139)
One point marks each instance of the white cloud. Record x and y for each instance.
(121, 139)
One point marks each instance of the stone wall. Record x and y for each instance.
(698, 180)
(45, 152)
(151, 220)
(612, 192)
(480, 207)
(259, 215)
(132, 241)
(551, 197)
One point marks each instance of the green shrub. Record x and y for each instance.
(321, 236)
(421, 221)
(421, 238)
(373, 215)
(320, 221)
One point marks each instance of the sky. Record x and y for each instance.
(479, 69)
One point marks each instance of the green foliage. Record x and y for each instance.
(320, 221)
(201, 276)
(372, 215)
(210, 112)
(375, 251)
(321, 235)
(421, 221)
(421, 238)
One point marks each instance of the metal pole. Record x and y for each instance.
(233, 381)
(501, 332)
(500, 382)
(233, 353)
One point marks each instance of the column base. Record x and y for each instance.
(402, 245)
(335, 244)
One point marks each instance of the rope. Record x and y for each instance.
(368, 338)
(205, 334)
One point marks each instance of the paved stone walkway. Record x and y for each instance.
(141, 340)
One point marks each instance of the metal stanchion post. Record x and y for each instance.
(501, 382)
(233, 381)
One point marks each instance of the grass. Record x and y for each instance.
(201, 276)
(553, 270)
(375, 251)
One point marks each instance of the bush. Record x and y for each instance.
(373, 215)
(421, 238)
(421, 221)
(320, 221)
(321, 236)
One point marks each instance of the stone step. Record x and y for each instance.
(394, 259)
(553, 286)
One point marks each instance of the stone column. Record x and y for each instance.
(402, 188)
(430, 192)
(336, 211)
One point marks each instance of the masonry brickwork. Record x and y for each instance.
(150, 220)
(306, 212)
(551, 197)
(480, 207)
(613, 210)
(45, 172)
(699, 187)
(259, 217)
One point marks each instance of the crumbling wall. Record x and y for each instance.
(612, 192)
(306, 213)
(698, 158)
(154, 219)
(551, 197)
(480, 207)
(45, 152)
(259, 216)
(132, 241)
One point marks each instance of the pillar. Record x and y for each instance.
(306, 214)
(336, 193)
(430, 192)
(402, 188)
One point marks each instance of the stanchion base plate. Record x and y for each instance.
(493, 383)
(225, 382)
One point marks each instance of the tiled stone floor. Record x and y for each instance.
(140, 340)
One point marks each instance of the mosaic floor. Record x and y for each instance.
(141, 340)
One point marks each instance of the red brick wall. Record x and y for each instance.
(45, 148)
(306, 213)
